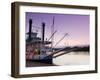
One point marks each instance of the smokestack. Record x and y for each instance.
(30, 28)
(43, 31)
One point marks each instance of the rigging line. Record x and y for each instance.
(36, 27)
(61, 39)
(52, 35)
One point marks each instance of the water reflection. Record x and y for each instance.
(73, 58)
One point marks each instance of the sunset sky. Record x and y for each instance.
(77, 26)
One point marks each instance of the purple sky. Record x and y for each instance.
(77, 26)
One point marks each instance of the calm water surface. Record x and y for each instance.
(73, 58)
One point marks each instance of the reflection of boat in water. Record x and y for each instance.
(37, 48)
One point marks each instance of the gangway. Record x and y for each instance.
(66, 52)
(60, 50)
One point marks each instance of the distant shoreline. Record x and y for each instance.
(78, 48)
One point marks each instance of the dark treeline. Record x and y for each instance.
(85, 48)
(77, 48)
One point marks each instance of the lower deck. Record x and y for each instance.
(30, 63)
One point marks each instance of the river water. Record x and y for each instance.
(73, 58)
